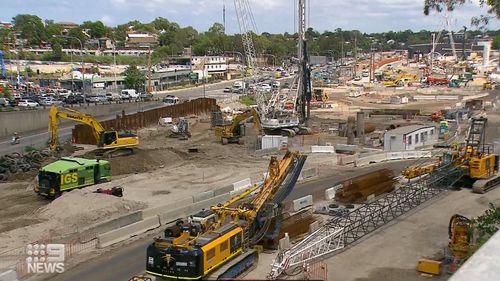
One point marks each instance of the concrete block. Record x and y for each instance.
(222, 190)
(242, 184)
(123, 233)
(322, 149)
(284, 242)
(309, 173)
(203, 196)
(174, 214)
(93, 231)
(302, 203)
(167, 208)
(236, 192)
(330, 192)
(313, 227)
(9, 275)
(394, 155)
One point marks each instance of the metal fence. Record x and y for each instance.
(82, 134)
(75, 244)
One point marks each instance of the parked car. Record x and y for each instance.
(4, 102)
(74, 99)
(113, 96)
(50, 101)
(227, 90)
(27, 103)
(95, 98)
(145, 96)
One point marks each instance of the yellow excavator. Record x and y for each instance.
(475, 159)
(234, 132)
(217, 244)
(110, 143)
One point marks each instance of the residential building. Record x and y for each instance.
(6, 25)
(66, 26)
(410, 137)
(141, 40)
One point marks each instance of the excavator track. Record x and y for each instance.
(483, 186)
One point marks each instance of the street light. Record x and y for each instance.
(81, 54)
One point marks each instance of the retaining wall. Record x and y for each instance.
(32, 120)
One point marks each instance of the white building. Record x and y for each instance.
(410, 137)
(211, 65)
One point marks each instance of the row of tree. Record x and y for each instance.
(173, 38)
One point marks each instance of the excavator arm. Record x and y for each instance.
(55, 114)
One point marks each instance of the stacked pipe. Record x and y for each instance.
(358, 189)
(18, 163)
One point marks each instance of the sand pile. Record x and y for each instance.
(83, 207)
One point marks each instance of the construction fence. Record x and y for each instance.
(83, 134)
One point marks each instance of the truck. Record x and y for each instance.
(70, 173)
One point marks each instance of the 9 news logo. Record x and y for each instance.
(45, 258)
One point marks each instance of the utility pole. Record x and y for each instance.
(149, 70)
(355, 54)
(464, 38)
(224, 15)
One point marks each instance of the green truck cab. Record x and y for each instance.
(70, 173)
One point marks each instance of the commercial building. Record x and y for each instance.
(410, 137)
(213, 66)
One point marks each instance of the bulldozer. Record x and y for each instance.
(320, 95)
(234, 132)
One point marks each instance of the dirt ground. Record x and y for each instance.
(160, 172)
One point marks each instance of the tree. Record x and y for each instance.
(56, 51)
(450, 5)
(496, 42)
(96, 29)
(31, 28)
(134, 78)
(78, 33)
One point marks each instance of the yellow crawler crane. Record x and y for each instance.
(475, 160)
(217, 242)
(110, 143)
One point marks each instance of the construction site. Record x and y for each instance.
(383, 169)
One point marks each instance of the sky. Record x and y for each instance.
(274, 16)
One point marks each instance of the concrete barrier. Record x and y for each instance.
(376, 158)
(346, 159)
(9, 275)
(302, 203)
(123, 233)
(394, 156)
(242, 184)
(309, 173)
(174, 214)
(93, 231)
(203, 196)
(205, 204)
(166, 208)
(222, 190)
(322, 149)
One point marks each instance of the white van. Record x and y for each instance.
(129, 94)
(170, 100)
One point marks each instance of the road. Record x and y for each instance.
(129, 260)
